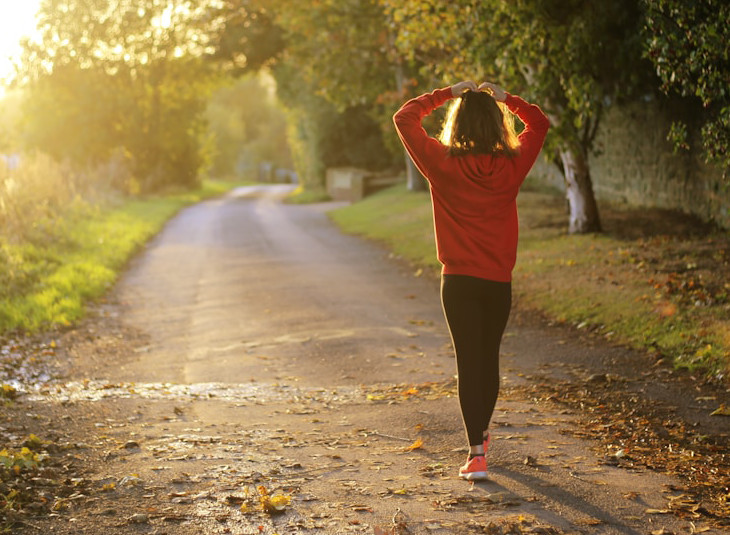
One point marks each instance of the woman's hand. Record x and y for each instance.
(493, 89)
(459, 88)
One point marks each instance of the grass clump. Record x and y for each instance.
(300, 195)
(654, 280)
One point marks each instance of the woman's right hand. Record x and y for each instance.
(497, 92)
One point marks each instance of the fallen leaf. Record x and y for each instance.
(666, 310)
(139, 518)
(722, 410)
(418, 444)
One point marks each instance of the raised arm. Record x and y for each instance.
(420, 146)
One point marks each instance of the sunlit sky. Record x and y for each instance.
(17, 20)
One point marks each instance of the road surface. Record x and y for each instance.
(253, 346)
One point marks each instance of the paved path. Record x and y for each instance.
(272, 351)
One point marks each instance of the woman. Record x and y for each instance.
(475, 172)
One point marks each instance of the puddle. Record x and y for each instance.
(95, 390)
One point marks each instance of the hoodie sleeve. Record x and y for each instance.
(425, 151)
(533, 136)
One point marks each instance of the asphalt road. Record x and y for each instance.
(247, 275)
(274, 350)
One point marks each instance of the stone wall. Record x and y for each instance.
(353, 184)
(635, 164)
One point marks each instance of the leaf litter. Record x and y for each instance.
(647, 434)
(283, 494)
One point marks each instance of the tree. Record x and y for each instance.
(321, 135)
(347, 53)
(244, 35)
(688, 44)
(248, 127)
(572, 57)
(121, 73)
(333, 63)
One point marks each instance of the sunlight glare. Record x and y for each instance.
(17, 20)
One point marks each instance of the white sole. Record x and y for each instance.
(471, 476)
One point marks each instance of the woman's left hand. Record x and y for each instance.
(458, 88)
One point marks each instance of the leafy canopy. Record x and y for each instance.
(570, 56)
(123, 76)
(688, 44)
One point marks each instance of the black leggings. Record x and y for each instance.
(476, 311)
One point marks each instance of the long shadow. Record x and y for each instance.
(568, 499)
(545, 515)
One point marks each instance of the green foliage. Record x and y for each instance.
(339, 47)
(16, 462)
(570, 57)
(688, 44)
(248, 126)
(9, 122)
(245, 36)
(308, 117)
(332, 62)
(120, 78)
(40, 190)
(69, 115)
(321, 136)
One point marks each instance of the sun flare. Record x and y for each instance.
(17, 20)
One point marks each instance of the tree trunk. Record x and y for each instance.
(579, 192)
(415, 180)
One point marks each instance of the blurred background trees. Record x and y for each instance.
(571, 57)
(172, 90)
(125, 77)
(247, 127)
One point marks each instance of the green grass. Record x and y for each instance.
(301, 195)
(614, 286)
(47, 280)
(399, 219)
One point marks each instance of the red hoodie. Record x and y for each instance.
(474, 196)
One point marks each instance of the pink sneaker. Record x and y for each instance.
(475, 468)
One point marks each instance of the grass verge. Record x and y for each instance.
(46, 280)
(654, 280)
(300, 195)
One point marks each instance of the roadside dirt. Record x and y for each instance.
(204, 396)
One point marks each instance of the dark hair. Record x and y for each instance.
(476, 123)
